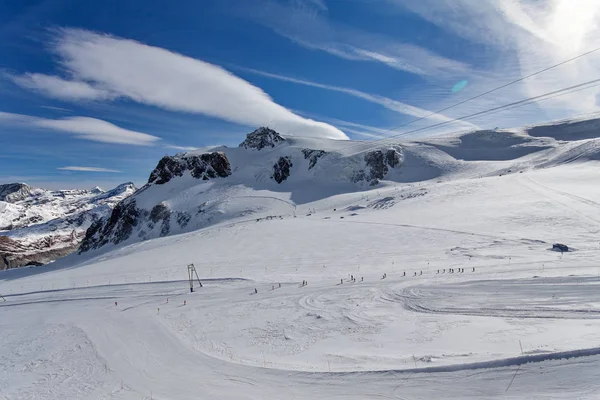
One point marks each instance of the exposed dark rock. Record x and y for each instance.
(312, 156)
(281, 170)
(261, 138)
(165, 227)
(376, 161)
(393, 158)
(183, 219)
(13, 192)
(34, 264)
(359, 176)
(378, 164)
(159, 212)
(115, 229)
(205, 166)
(560, 247)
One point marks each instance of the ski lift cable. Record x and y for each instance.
(485, 93)
(516, 104)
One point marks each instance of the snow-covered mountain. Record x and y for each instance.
(270, 175)
(437, 280)
(38, 226)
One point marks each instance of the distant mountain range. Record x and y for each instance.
(38, 226)
(267, 175)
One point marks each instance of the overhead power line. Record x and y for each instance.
(485, 93)
(516, 104)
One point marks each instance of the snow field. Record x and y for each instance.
(435, 335)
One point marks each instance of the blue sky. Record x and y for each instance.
(94, 93)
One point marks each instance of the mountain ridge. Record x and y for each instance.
(38, 226)
(271, 174)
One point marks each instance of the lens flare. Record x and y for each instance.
(459, 86)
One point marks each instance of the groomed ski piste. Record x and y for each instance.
(521, 321)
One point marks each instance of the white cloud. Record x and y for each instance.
(158, 77)
(85, 128)
(64, 110)
(311, 29)
(63, 89)
(87, 169)
(386, 102)
(181, 148)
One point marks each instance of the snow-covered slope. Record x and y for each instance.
(272, 175)
(437, 282)
(114, 325)
(38, 226)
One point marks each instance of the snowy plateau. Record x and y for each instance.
(429, 269)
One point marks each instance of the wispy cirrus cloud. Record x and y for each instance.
(60, 109)
(390, 104)
(87, 169)
(85, 128)
(524, 37)
(181, 148)
(310, 28)
(106, 67)
(63, 89)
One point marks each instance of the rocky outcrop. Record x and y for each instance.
(116, 229)
(378, 164)
(13, 192)
(160, 213)
(281, 170)
(204, 166)
(393, 157)
(261, 138)
(312, 156)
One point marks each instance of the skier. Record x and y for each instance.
(444, 271)
(280, 285)
(473, 269)
(438, 271)
(255, 291)
(362, 278)
(415, 273)
(184, 302)
(341, 281)
(351, 277)
(115, 303)
(167, 300)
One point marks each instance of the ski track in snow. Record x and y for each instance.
(435, 335)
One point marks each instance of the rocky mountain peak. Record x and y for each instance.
(261, 138)
(204, 166)
(13, 192)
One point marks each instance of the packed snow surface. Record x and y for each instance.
(521, 321)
